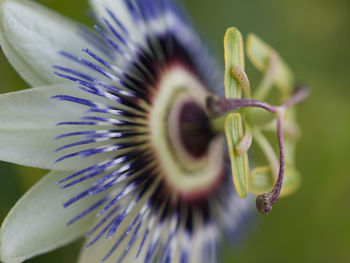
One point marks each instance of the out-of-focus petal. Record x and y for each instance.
(38, 222)
(31, 37)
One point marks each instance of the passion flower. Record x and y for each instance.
(127, 122)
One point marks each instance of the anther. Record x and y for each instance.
(240, 75)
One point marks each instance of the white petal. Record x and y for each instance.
(31, 37)
(38, 222)
(28, 127)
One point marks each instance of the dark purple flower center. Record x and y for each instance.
(195, 131)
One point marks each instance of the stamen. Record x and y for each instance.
(244, 145)
(217, 106)
(239, 73)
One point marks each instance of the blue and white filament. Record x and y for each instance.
(164, 189)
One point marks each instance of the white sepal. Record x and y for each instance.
(29, 125)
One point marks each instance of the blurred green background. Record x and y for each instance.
(313, 36)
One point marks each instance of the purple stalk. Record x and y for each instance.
(219, 106)
(301, 94)
(265, 201)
